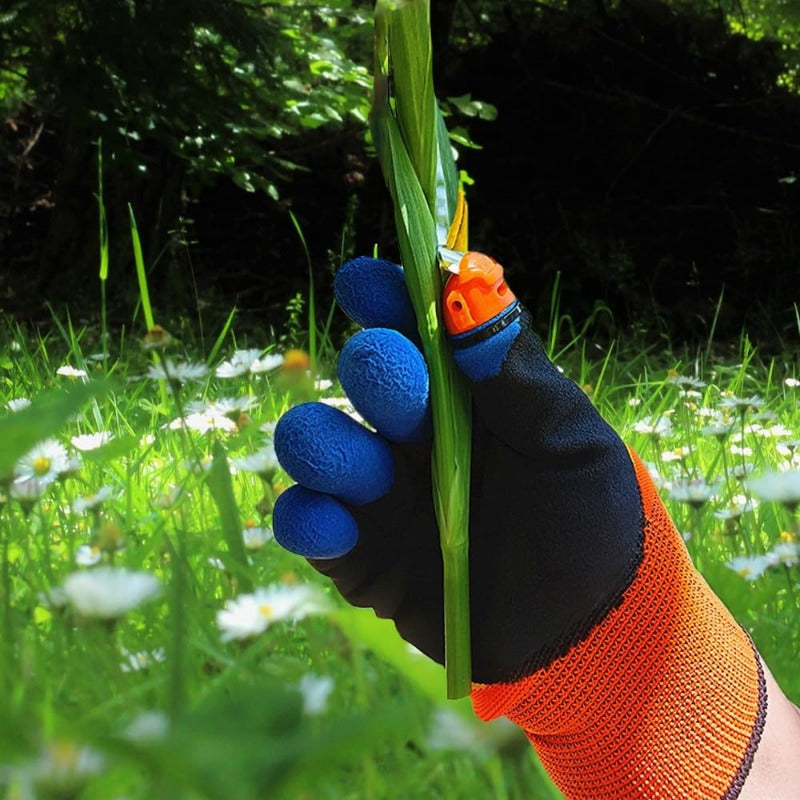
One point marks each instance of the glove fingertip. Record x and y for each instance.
(386, 379)
(373, 293)
(312, 524)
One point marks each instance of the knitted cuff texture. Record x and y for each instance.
(664, 698)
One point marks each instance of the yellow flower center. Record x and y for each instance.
(41, 465)
(265, 609)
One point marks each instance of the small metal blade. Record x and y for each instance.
(449, 259)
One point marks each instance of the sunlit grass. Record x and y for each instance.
(156, 688)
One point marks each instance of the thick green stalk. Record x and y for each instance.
(419, 173)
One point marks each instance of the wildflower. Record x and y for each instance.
(792, 383)
(322, 384)
(739, 504)
(316, 690)
(750, 567)
(268, 363)
(18, 403)
(720, 429)
(157, 338)
(451, 731)
(148, 726)
(109, 537)
(676, 454)
(54, 598)
(169, 496)
(786, 554)
(695, 493)
(256, 537)
(228, 406)
(657, 427)
(776, 431)
(64, 767)
(741, 405)
(87, 555)
(778, 487)
(44, 462)
(686, 382)
(142, 660)
(739, 450)
(204, 421)
(91, 441)
(295, 361)
(239, 363)
(180, 372)
(248, 615)
(92, 501)
(634, 401)
(263, 462)
(27, 490)
(70, 372)
(109, 592)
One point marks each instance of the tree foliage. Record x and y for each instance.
(211, 81)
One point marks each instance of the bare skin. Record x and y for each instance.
(775, 774)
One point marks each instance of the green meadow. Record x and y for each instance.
(158, 643)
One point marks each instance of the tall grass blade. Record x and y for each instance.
(221, 487)
(141, 274)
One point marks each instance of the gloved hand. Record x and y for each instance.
(590, 627)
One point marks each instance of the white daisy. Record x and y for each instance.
(238, 364)
(44, 462)
(87, 555)
(778, 487)
(263, 461)
(109, 592)
(268, 363)
(70, 372)
(18, 403)
(146, 727)
(695, 493)
(89, 501)
(204, 421)
(27, 490)
(749, 567)
(141, 660)
(224, 405)
(91, 441)
(657, 427)
(256, 537)
(786, 554)
(792, 383)
(182, 372)
(316, 691)
(248, 615)
(64, 767)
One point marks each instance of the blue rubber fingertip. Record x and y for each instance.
(386, 379)
(325, 450)
(373, 293)
(485, 358)
(313, 525)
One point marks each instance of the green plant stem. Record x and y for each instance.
(406, 129)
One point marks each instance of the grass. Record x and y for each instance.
(327, 702)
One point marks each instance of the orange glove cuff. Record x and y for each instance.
(665, 698)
